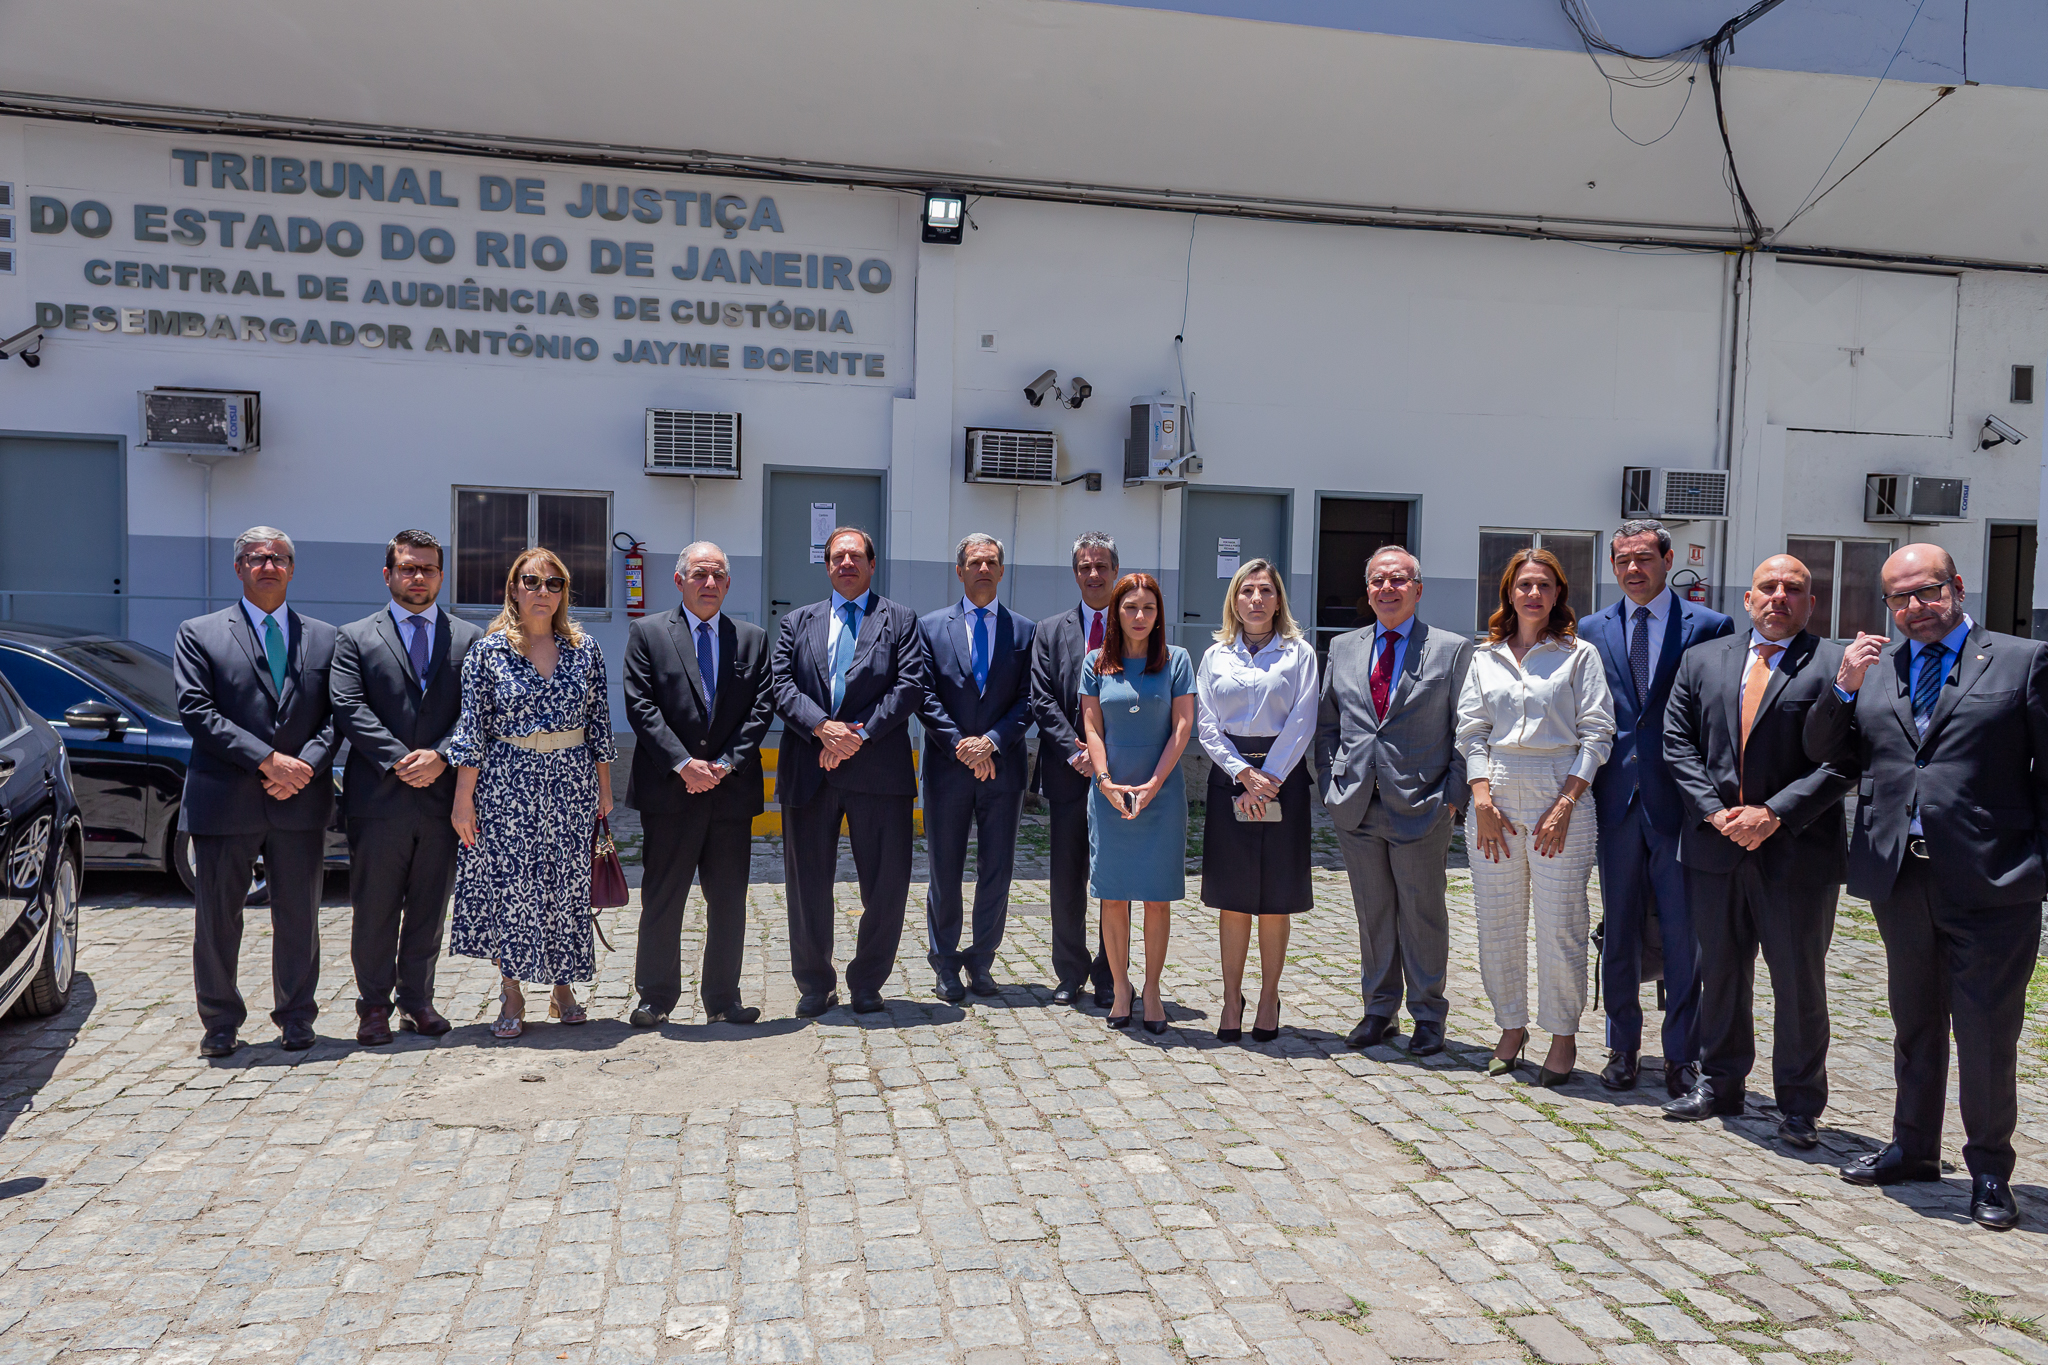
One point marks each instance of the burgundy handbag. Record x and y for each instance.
(607, 878)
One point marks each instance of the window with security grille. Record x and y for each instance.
(492, 525)
(1847, 592)
(1577, 551)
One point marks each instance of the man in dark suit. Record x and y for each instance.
(698, 700)
(1762, 845)
(252, 692)
(397, 691)
(976, 709)
(1948, 729)
(849, 673)
(1058, 649)
(1640, 639)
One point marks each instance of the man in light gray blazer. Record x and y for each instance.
(1391, 776)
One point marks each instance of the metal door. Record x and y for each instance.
(1349, 531)
(1221, 529)
(63, 533)
(795, 560)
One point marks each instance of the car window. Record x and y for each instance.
(48, 690)
(135, 671)
(10, 710)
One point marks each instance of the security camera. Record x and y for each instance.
(24, 344)
(1998, 433)
(1078, 390)
(1037, 389)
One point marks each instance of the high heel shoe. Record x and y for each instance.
(509, 1025)
(1156, 1025)
(1119, 1020)
(1501, 1066)
(1550, 1080)
(1267, 1035)
(1231, 1035)
(573, 1014)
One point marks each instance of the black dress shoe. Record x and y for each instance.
(945, 985)
(1992, 1204)
(1681, 1080)
(219, 1043)
(1701, 1102)
(1799, 1131)
(1371, 1031)
(374, 1029)
(816, 1003)
(1427, 1040)
(298, 1036)
(1890, 1167)
(1622, 1071)
(1065, 995)
(735, 1014)
(644, 1017)
(868, 1002)
(426, 1021)
(981, 983)
(1105, 997)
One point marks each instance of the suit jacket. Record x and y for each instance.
(380, 710)
(1635, 769)
(237, 718)
(1059, 647)
(1411, 756)
(665, 707)
(884, 688)
(954, 709)
(1980, 778)
(1704, 752)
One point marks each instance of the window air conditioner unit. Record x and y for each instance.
(202, 421)
(1916, 499)
(1013, 457)
(1161, 448)
(703, 445)
(1674, 494)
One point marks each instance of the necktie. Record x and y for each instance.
(1639, 654)
(707, 668)
(1927, 683)
(842, 658)
(1753, 687)
(981, 649)
(1095, 631)
(1383, 674)
(419, 648)
(273, 651)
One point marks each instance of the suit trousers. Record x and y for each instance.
(1068, 885)
(677, 848)
(294, 861)
(879, 829)
(1967, 969)
(1640, 876)
(1736, 914)
(950, 816)
(400, 875)
(1404, 926)
(1524, 786)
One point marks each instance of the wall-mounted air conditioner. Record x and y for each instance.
(1674, 494)
(1161, 447)
(1013, 457)
(1915, 498)
(702, 445)
(202, 421)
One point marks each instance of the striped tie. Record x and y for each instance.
(1927, 682)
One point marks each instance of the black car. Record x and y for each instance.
(115, 705)
(41, 847)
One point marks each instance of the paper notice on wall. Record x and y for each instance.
(1226, 556)
(824, 516)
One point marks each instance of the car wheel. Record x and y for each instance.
(50, 990)
(181, 864)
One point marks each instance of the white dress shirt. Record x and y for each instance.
(1089, 616)
(1272, 693)
(402, 617)
(867, 607)
(1554, 701)
(283, 617)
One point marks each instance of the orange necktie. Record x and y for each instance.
(1753, 687)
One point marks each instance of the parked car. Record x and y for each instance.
(115, 705)
(42, 845)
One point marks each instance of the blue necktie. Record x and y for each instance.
(1927, 683)
(273, 651)
(842, 658)
(706, 669)
(1639, 654)
(419, 648)
(981, 649)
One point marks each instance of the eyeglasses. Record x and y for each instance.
(1395, 581)
(417, 570)
(533, 582)
(256, 561)
(1926, 595)
(706, 576)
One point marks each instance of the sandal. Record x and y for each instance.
(571, 1013)
(509, 1025)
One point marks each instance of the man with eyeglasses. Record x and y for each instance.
(1392, 779)
(1948, 729)
(252, 686)
(698, 700)
(397, 688)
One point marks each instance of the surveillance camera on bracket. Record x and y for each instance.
(1997, 433)
(27, 344)
(1037, 389)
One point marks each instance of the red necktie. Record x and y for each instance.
(1095, 630)
(1383, 674)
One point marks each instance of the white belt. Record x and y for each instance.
(547, 741)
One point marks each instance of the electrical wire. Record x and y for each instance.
(1187, 291)
(1940, 95)
(1809, 200)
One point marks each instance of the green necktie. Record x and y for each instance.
(273, 650)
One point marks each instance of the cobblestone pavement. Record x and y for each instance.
(998, 1182)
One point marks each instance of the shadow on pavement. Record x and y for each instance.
(32, 1049)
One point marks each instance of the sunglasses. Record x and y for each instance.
(533, 582)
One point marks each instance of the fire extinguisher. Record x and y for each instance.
(1693, 591)
(636, 573)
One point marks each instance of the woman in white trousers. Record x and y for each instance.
(1535, 722)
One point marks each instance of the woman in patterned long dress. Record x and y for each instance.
(533, 754)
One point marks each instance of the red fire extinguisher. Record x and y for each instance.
(636, 573)
(1693, 591)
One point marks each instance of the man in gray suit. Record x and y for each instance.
(1390, 777)
(252, 693)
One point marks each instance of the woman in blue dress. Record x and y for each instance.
(1137, 709)
(532, 755)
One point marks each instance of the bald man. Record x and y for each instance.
(1948, 728)
(1762, 847)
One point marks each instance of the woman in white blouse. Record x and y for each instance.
(1535, 723)
(1255, 713)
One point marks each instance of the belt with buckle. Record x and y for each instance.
(1916, 846)
(546, 742)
